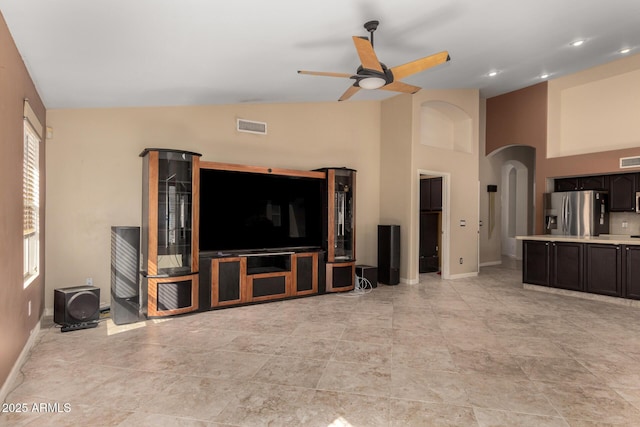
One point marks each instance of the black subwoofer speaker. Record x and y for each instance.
(389, 254)
(76, 307)
(125, 283)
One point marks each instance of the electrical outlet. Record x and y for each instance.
(625, 224)
(461, 260)
(89, 281)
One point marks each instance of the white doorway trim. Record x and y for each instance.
(446, 221)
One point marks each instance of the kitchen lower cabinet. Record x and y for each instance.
(632, 271)
(535, 264)
(604, 269)
(567, 263)
(555, 264)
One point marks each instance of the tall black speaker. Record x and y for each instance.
(125, 283)
(389, 254)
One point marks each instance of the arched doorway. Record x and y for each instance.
(515, 206)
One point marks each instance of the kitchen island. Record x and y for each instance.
(606, 265)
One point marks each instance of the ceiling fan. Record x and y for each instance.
(373, 74)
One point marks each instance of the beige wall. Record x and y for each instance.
(404, 156)
(461, 169)
(595, 110)
(95, 175)
(396, 173)
(15, 86)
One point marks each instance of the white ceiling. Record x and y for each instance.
(114, 53)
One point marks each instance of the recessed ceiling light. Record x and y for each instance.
(544, 76)
(625, 50)
(576, 43)
(492, 73)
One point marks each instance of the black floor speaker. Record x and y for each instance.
(76, 307)
(389, 254)
(125, 282)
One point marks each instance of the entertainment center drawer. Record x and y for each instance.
(268, 286)
(171, 295)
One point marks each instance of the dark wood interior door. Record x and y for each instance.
(429, 250)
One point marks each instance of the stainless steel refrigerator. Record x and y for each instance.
(576, 213)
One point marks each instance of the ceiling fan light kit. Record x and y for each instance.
(373, 74)
(372, 83)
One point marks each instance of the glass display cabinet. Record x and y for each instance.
(341, 229)
(169, 244)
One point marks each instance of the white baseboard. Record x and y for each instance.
(409, 282)
(463, 275)
(490, 263)
(4, 391)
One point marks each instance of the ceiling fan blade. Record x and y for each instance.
(401, 87)
(402, 71)
(325, 73)
(349, 93)
(367, 55)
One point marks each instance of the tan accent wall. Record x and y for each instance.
(15, 85)
(95, 175)
(518, 118)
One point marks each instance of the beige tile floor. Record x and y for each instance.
(472, 352)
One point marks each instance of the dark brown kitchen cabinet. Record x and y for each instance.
(535, 265)
(632, 272)
(566, 184)
(597, 182)
(567, 265)
(622, 192)
(604, 269)
(555, 264)
(431, 194)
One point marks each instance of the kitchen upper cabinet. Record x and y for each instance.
(632, 272)
(600, 182)
(604, 269)
(431, 194)
(566, 184)
(597, 182)
(622, 192)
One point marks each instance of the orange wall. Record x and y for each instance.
(15, 85)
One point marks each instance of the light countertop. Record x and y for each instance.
(612, 239)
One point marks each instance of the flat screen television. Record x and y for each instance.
(256, 211)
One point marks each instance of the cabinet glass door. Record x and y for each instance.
(344, 215)
(174, 213)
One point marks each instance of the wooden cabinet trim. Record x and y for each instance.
(215, 285)
(152, 299)
(262, 170)
(294, 274)
(152, 267)
(287, 285)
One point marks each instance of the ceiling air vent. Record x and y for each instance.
(630, 162)
(252, 127)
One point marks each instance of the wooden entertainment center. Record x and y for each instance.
(217, 235)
